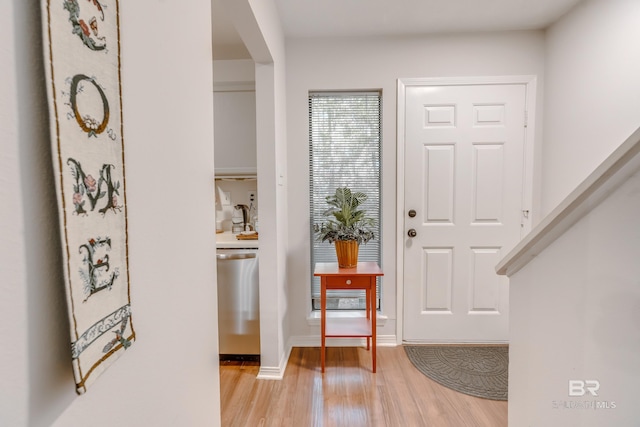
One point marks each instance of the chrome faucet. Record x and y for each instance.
(245, 216)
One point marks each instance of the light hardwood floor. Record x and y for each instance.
(348, 394)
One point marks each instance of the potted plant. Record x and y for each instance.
(347, 225)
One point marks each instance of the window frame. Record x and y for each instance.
(337, 135)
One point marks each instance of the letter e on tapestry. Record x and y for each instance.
(82, 62)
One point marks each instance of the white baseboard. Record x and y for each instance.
(314, 341)
(277, 372)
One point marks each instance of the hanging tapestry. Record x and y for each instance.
(82, 62)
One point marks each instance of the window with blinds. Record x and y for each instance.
(344, 150)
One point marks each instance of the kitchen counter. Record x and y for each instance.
(228, 240)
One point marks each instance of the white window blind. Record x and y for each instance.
(344, 150)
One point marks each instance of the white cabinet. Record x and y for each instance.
(234, 114)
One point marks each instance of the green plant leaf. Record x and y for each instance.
(345, 221)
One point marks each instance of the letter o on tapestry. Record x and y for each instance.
(87, 122)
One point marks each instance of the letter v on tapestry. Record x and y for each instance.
(82, 63)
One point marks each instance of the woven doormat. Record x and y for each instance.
(476, 371)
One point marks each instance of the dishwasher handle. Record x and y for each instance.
(227, 256)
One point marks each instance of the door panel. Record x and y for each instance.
(487, 183)
(439, 168)
(464, 148)
(438, 283)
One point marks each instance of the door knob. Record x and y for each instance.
(412, 213)
(412, 233)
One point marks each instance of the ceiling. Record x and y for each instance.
(370, 18)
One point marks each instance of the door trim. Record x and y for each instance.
(529, 82)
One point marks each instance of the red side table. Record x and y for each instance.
(363, 276)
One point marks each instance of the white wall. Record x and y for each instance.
(36, 373)
(36, 380)
(234, 73)
(169, 376)
(377, 64)
(259, 26)
(273, 189)
(575, 311)
(591, 92)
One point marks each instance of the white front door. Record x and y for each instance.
(463, 166)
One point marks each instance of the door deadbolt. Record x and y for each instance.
(412, 233)
(412, 213)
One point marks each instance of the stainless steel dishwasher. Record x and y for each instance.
(238, 304)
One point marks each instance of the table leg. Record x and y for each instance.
(373, 323)
(323, 318)
(368, 312)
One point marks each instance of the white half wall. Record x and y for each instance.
(170, 375)
(351, 64)
(575, 313)
(591, 92)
